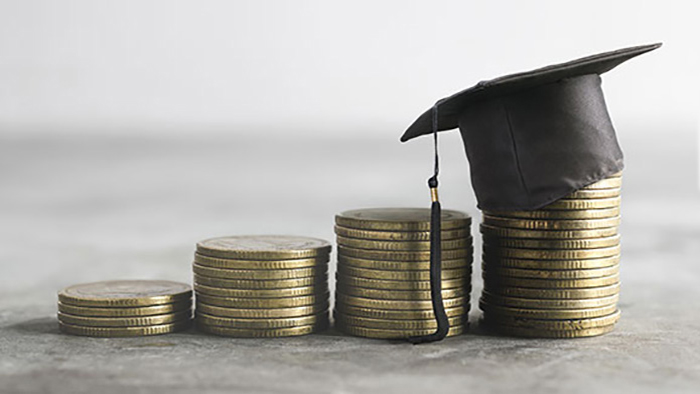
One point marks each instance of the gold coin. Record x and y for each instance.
(551, 283)
(397, 314)
(547, 234)
(587, 243)
(123, 331)
(259, 284)
(259, 274)
(568, 324)
(494, 270)
(258, 313)
(533, 303)
(543, 224)
(550, 254)
(263, 247)
(593, 292)
(454, 273)
(378, 333)
(125, 293)
(464, 263)
(449, 244)
(319, 262)
(385, 324)
(263, 333)
(607, 183)
(595, 203)
(263, 303)
(411, 285)
(265, 293)
(402, 305)
(210, 320)
(404, 295)
(551, 264)
(597, 193)
(407, 236)
(125, 312)
(402, 256)
(546, 314)
(537, 333)
(124, 321)
(400, 219)
(561, 214)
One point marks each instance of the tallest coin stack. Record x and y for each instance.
(553, 272)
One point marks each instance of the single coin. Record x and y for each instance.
(551, 264)
(386, 324)
(402, 255)
(405, 295)
(263, 303)
(498, 271)
(546, 314)
(454, 273)
(594, 193)
(587, 243)
(364, 302)
(259, 284)
(397, 314)
(259, 274)
(264, 247)
(449, 244)
(568, 324)
(593, 292)
(547, 234)
(543, 224)
(263, 333)
(533, 303)
(211, 320)
(125, 312)
(537, 333)
(550, 254)
(318, 262)
(409, 285)
(266, 293)
(400, 219)
(561, 214)
(607, 183)
(551, 283)
(463, 263)
(123, 331)
(378, 333)
(258, 313)
(125, 293)
(594, 203)
(124, 321)
(408, 236)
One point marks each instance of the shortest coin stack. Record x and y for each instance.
(125, 308)
(261, 286)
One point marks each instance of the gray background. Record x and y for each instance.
(130, 130)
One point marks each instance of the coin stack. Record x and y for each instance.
(262, 285)
(553, 272)
(125, 308)
(383, 278)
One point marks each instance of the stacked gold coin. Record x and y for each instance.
(125, 308)
(383, 279)
(262, 285)
(553, 272)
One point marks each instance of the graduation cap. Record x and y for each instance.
(531, 138)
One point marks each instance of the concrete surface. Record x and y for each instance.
(76, 209)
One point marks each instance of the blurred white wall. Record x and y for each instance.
(306, 66)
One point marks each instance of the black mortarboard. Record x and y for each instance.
(531, 138)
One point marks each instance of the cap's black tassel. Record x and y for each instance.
(443, 324)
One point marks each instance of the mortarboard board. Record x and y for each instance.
(531, 138)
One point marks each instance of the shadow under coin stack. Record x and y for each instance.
(383, 279)
(125, 308)
(553, 272)
(262, 286)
